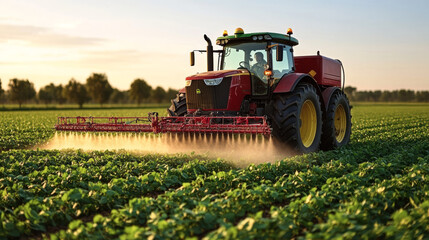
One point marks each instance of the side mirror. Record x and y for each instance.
(192, 58)
(279, 53)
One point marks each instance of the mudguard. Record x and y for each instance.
(289, 82)
(327, 93)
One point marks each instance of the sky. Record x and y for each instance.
(384, 45)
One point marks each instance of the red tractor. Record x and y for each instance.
(259, 76)
(260, 87)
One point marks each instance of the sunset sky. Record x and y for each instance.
(383, 44)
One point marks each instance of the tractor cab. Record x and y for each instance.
(265, 56)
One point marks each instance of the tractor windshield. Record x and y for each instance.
(245, 55)
(251, 56)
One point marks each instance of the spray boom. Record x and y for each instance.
(155, 124)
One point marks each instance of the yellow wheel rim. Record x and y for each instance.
(340, 122)
(308, 119)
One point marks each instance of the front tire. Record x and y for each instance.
(337, 123)
(178, 106)
(296, 118)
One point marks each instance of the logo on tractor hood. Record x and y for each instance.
(213, 81)
(198, 91)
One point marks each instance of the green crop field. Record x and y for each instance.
(377, 187)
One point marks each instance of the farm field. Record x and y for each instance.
(376, 187)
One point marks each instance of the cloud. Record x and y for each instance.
(40, 36)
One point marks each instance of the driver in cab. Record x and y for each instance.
(259, 67)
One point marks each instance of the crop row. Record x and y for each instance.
(31, 203)
(25, 175)
(21, 129)
(218, 204)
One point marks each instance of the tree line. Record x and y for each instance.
(97, 89)
(402, 95)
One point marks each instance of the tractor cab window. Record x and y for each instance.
(241, 55)
(251, 56)
(282, 67)
(233, 57)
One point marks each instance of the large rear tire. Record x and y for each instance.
(178, 106)
(296, 118)
(337, 124)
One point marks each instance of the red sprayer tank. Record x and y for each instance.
(325, 71)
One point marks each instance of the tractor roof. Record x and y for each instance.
(260, 36)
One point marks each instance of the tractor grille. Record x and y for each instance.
(208, 97)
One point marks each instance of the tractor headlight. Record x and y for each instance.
(188, 83)
(213, 81)
(267, 37)
(254, 38)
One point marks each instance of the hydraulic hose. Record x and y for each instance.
(344, 74)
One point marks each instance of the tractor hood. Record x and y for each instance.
(216, 74)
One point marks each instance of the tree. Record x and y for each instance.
(99, 88)
(76, 92)
(47, 93)
(1, 89)
(158, 94)
(360, 96)
(21, 91)
(422, 96)
(406, 95)
(118, 96)
(60, 98)
(140, 90)
(1, 94)
(376, 95)
(350, 92)
(386, 96)
(171, 94)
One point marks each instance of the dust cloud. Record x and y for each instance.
(240, 150)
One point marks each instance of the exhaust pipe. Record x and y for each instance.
(209, 53)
